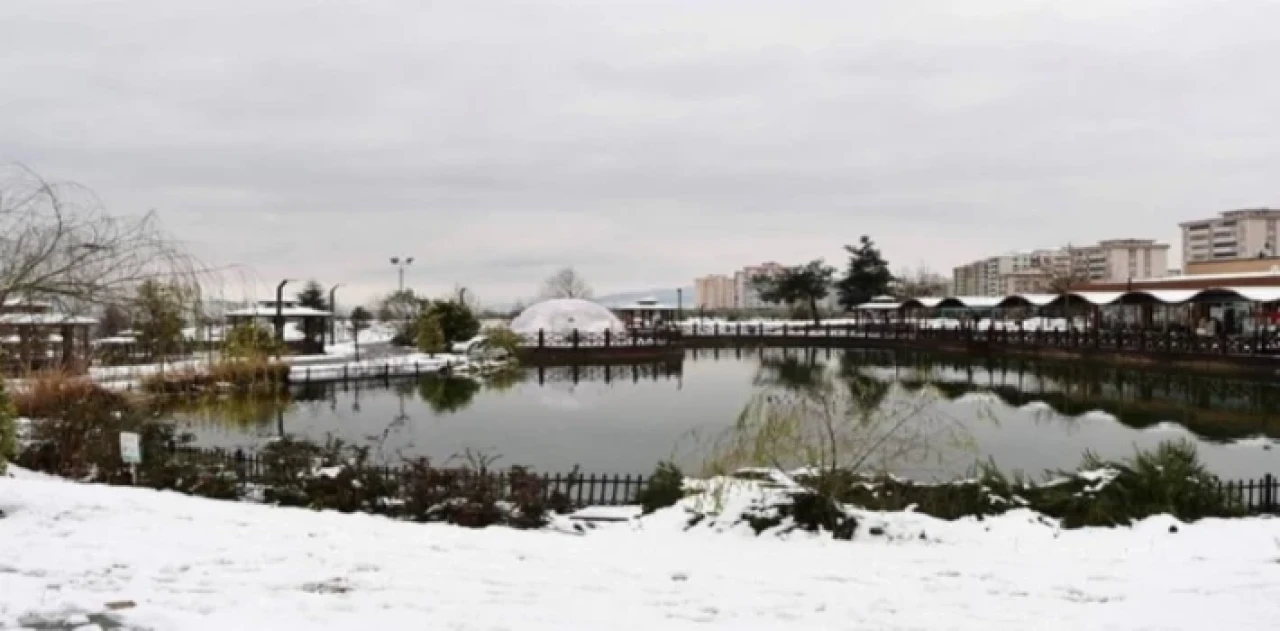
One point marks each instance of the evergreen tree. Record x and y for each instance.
(159, 318)
(867, 276)
(430, 337)
(360, 318)
(312, 295)
(806, 284)
(457, 322)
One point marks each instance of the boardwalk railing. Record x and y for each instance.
(1154, 341)
(1260, 496)
(607, 339)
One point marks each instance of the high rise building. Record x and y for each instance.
(1034, 271)
(745, 294)
(713, 292)
(1234, 234)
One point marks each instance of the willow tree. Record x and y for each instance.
(59, 245)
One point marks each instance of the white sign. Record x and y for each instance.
(130, 448)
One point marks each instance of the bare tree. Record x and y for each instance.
(920, 282)
(566, 283)
(57, 244)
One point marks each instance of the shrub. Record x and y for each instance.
(1169, 479)
(457, 322)
(8, 429)
(75, 426)
(164, 468)
(251, 340)
(503, 339)
(428, 336)
(242, 375)
(665, 488)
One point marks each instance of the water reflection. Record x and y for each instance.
(625, 418)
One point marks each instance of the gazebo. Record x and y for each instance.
(646, 313)
(33, 336)
(304, 328)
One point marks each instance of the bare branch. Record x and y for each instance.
(57, 244)
(566, 283)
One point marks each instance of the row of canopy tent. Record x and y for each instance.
(1214, 295)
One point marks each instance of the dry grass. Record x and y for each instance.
(237, 374)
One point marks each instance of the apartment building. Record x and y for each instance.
(713, 292)
(1233, 234)
(967, 279)
(1031, 271)
(745, 294)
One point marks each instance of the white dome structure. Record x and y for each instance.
(562, 315)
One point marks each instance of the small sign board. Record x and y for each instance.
(130, 448)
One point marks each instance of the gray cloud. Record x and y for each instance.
(643, 142)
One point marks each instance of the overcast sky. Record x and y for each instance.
(645, 143)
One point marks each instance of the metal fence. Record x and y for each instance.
(580, 489)
(1142, 340)
(1260, 496)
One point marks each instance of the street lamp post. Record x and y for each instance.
(279, 322)
(679, 304)
(333, 315)
(400, 264)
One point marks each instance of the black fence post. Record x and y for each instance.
(607, 335)
(1268, 493)
(575, 338)
(541, 338)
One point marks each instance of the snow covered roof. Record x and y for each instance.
(646, 305)
(1253, 294)
(269, 311)
(879, 306)
(1098, 298)
(19, 319)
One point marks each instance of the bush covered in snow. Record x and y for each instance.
(1167, 480)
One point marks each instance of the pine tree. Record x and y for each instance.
(803, 284)
(159, 318)
(867, 276)
(312, 295)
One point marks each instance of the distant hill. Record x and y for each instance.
(664, 296)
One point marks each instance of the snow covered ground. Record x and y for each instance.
(66, 550)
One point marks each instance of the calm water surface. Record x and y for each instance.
(624, 419)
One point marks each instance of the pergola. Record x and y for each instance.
(35, 340)
(1186, 307)
(645, 313)
(308, 334)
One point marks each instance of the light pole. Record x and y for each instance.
(280, 310)
(400, 264)
(333, 315)
(679, 304)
